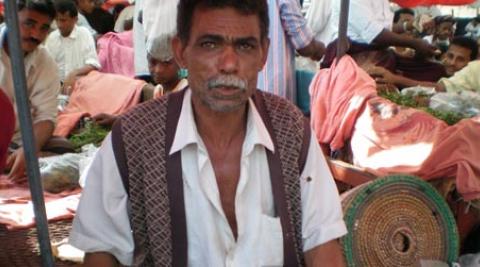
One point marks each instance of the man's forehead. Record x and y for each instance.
(226, 22)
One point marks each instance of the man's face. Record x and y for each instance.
(34, 28)
(163, 72)
(406, 17)
(65, 23)
(86, 6)
(223, 56)
(444, 31)
(456, 58)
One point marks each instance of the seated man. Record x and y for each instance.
(43, 83)
(164, 70)
(462, 50)
(214, 176)
(443, 33)
(371, 31)
(72, 46)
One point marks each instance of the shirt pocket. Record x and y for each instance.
(271, 241)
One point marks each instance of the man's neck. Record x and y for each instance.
(170, 85)
(219, 128)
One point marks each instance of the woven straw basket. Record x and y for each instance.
(397, 221)
(20, 247)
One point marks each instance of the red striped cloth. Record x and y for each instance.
(414, 3)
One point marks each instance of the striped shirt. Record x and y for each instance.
(288, 32)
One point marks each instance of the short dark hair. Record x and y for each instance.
(64, 6)
(186, 9)
(468, 43)
(45, 7)
(396, 16)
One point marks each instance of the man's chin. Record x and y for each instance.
(28, 47)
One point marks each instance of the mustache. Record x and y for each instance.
(227, 81)
(32, 40)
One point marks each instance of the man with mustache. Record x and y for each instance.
(43, 84)
(218, 174)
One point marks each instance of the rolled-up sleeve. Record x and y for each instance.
(322, 217)
(89, 50)
(101, 223)
(294, 24)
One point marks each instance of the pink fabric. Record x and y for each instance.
(386, 138)
(16, 208)
(337, 97)
(414, 3)
(115, 53)
(98, 93)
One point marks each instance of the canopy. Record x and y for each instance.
(414, 3)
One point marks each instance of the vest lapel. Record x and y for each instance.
(277, 180)
(175, 183)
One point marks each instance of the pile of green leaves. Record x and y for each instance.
(412, 102)
(90, 133)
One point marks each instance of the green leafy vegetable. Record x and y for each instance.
(91, 133)
(419, 102)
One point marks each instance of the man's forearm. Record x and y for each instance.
(42, 130)
(403, 82)
(389, 38)
(103, 259)
(329, 254)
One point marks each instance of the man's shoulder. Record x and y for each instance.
(83, 31)
(279, 103)
(145, 113)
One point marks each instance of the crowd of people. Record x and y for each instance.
(256, 189)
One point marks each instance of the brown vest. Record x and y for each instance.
(153, 180)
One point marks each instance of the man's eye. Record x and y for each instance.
(245, 47)
(28, 24)
(208, 44)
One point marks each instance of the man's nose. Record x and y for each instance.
(229, 60)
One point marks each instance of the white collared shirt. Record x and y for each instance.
(367, 19)
(102, 222)
(72, 52)
(43, 84)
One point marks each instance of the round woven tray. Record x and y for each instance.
(20, 247)
(397, 221)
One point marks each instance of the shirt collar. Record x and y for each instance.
(186, 133)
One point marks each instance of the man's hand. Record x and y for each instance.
(382, 75)
(104, 119)
(68, 83)
(314, 50)
(424, 49)
(17, 166)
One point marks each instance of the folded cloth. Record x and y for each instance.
(386, 138)
(98, 93)
(115, 53)
(16, 207)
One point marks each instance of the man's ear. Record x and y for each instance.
(178, 51)
(265, 46)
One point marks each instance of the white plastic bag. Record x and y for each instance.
(465, 103)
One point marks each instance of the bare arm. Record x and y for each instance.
(314, 50)
(42, 131)
(100, 259)
(329, 252)
(389, 38)
(73, 75)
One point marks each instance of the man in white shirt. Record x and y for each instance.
(72, 46)
(41, 71)
(217, 158)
